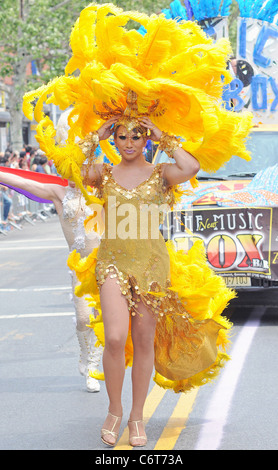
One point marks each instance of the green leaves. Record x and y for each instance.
(41, 29)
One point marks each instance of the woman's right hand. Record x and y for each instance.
(106, 130)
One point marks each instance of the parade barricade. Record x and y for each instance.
(22, 210)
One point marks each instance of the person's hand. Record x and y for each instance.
(155, 133)
(106, 130)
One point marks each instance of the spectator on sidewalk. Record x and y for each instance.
(23, 165)
(7, 204)
(32, 155)
(14, 160)
(5, 193)
(43, 166)
(35, 163)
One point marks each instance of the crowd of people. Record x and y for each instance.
(29, 159)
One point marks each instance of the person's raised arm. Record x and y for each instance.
(91, 173)
(51, 192)
(185, 167)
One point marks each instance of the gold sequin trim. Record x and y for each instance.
(158, 300)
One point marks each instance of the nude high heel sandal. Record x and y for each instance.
(133, 440)
(110, 432)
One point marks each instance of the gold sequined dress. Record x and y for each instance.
(183, 293)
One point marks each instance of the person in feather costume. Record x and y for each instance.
(156, 305)
(72, 211)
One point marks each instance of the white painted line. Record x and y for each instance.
(37, 315)
(34, 240)
(43, 247)
(216, 417)
(36, 289)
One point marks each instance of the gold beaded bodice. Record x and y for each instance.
(151, 192)
(134, 213)
(132, 248)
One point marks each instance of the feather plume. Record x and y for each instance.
(176, 63)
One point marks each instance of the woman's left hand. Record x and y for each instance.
(155, 133)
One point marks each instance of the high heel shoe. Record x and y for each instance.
(133, 440)
(110, 432)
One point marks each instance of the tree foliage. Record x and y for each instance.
(232, 24)
(39, 30)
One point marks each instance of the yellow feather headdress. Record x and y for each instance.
(176, 72)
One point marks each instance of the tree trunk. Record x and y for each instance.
(17, 91)
(15, 100)
(16, 129)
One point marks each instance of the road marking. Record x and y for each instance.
(216, 416)
(177, 421)
(15, 335)
(37, 315)
(42, 247)
(153, 399)
(35, 240)
(36, 289)
(11, 333)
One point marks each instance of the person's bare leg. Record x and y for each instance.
(116, 323)
(143, 331)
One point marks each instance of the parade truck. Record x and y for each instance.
(234, 211)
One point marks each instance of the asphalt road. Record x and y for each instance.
(43, 401)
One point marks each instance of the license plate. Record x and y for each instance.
(237, 281)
